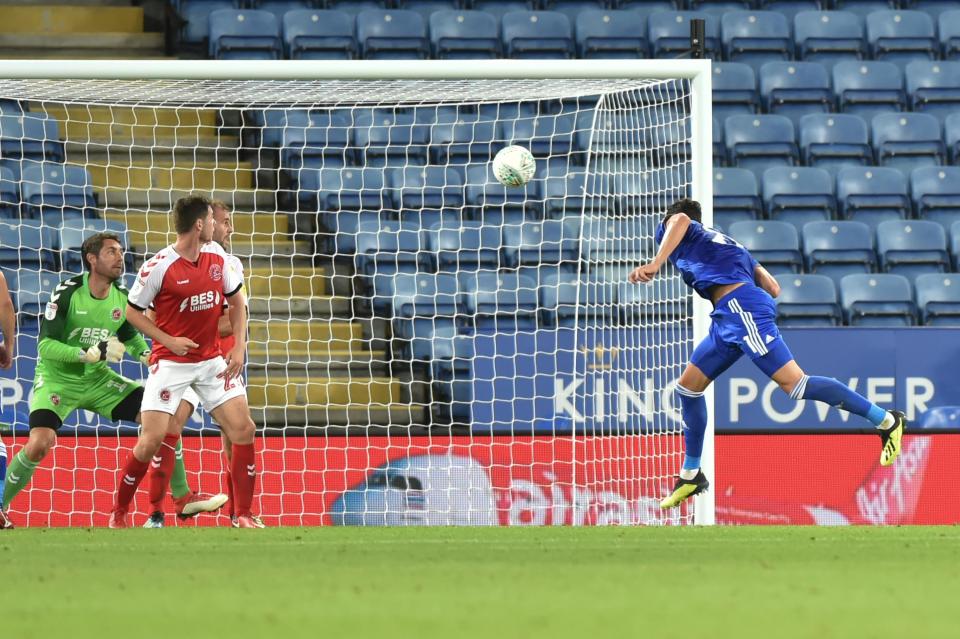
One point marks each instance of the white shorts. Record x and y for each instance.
(168, 383)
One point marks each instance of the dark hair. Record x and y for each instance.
(93, 244)
(188, 210)
(686, 205)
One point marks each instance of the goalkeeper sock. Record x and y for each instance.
(3, 467)
(130, 478)
(161, 468)
(693, 408)
(179, 487)
(243, 470)
(19, 474)
(830, 391)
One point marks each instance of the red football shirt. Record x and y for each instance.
(187, 297)
(227, 343)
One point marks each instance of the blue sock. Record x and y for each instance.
(830, 391)
(693, 407)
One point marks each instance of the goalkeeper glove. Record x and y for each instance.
(145, 357)
(110, 350)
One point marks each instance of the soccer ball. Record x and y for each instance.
(514, 166)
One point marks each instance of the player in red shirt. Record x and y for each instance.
(186, 284)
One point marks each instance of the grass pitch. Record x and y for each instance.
(490, 583)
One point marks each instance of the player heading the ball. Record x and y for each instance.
(743, 322)
(186, 283)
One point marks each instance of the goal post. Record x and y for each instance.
(415, 355)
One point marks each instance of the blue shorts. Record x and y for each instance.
(744, 321)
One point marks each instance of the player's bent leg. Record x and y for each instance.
(43, 436)
(152, 431)
(234, 418)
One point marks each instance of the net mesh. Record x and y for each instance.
(426, 346)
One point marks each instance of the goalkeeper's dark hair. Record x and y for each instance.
(187, 210)
(93, 244)
(686, 205)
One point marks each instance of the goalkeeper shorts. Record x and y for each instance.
(99, 392)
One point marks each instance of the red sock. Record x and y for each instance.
(243, 471)
(160, 470)
(232, 508)
(133, 471)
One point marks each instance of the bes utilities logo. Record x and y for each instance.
(201, 301)
(90, 336)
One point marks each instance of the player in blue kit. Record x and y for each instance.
(743, 322)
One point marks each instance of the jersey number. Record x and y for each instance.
(720, 238)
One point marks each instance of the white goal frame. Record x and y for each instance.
(698, 72)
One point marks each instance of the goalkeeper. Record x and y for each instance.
(84, 326)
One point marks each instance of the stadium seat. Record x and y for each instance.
(936, 194)
(394, 139)
(273, 123)
(567, 303)
(319, 35)
(938, 299)
(833, 141)
(464, 143)
(312, 141)
(389, 248)
(280, 8)
(9, 194)
(775, 244)
(872, 194)
(28, 245)
(807, 301)
(545, 136)
(429, 187)
(30, 136)
(338, 229)
(951, 135)
(912, 247)
(756, 37)
(537, 34)
(798, 195)
(719, 146)
(877, 299)
(795, 89)
(573, 8)
(934, 87)
(54, 192)
(836, 249)
(949, 30)
(547, 242)
(734, 90)
(829, 37)
(354, 7)
(464, 35)
(425, 295)
(669, 33)
(499, 8)
(392, 35)
(500, 300)
(427, 8)
(757, 142)
(353, 189)
(907, 140)
(736, 197)
(471, 246)
(644, 7)
(33, 291)
(244, 35)
(863, 8)
(902, 36)
(485, 192)
(719, 7)
(196, 18)
(868, 88)
(611, 34)
(564, 195)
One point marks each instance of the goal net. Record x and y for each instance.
(426, 346)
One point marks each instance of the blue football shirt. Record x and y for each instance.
(706, 258)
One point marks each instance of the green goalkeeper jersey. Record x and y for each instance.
(73, 321)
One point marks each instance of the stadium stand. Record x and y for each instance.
(807, 301)
(877, 299)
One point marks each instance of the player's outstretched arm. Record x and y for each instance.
(766, 281)
(177, 345)
(677, 227)
(8, 324)
(237, 312)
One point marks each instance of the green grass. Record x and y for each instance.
(689, 583)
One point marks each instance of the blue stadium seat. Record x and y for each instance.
(614, 239)
(484, 191)
(907, 140)
(795, 89)
(74, 231)
(500, 300)
(912, 247)
(933, 8)
(669, 33)
(868, 88)
(949, 31)
(464, 35)
(936, 194)
(464, 143)
(499, 8)
(757, 142)
(471, 246)
(877, 299)
(807, 301)
(33, 290)
(353, 189)
(9, 194)
(567, 303)
(354, 7)
(393, 140)
(790, 8)
(392, 35)
(611, 34)
(872, 194)
(274, 122)
(644, 7)
(315, 34)
(863, 8)
(934, 87)
(756, 37)
(425, 295)
(428, 187)
(902, 36)
(537, 34)
(836, 249)
(798, 195)
(547, 242)
(719, 146)
(833, 141)
(719, 7)
(54, 192)
(545, 135)
(27, 244)
(338, 229)
(389, 248)
(938, 299)
(280, 8)
(736, 197)
(196, 17)
(244, 35)
(829, 37)
(573, 9)
(427, 8)
(31, 136)
(951, 135)
(775, 244)
(734, 90)
(311, 142)
(564, 192)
